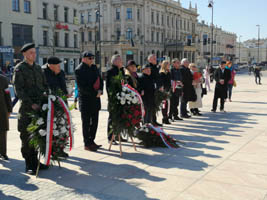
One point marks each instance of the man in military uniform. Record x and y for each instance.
(29, 83)
(90, 86)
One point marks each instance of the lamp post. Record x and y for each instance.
(239, 47)
(211, 50)
(258, 43)
(98, 13)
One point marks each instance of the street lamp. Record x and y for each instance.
(98, 14)
(258, 43)
(211, 2)
(239, 47)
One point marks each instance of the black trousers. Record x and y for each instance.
(175, 98)
(165, 109)
(219, 94)
(3, 142)
(149, 114)
(183, 107)
(256, 78)
(28, 151)
(89, 124)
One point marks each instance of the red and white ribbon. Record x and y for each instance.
(129, 88)
(49, 130)
(162, 135)
(67, 112)
(174, 84)
(7, 91)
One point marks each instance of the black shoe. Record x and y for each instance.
(213, 110)
(165, 121)
(90, 148)
(43, 167)
(157, 124)
(98, 146)
(4, 157)
(185, 116)
(198, 114)
(113, 142)
(177, 118)
(30, 171)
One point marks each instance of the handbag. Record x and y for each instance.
(204, 92)
(234, 84)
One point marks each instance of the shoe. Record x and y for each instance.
(165, 121)
(185, 116)
(97, 146)
(213, 110)
(90, 148)
(230, 100)
(4, 157)
(259, 83)
(43, 167)
(113, 143)
(222, 110)
(30, 171)
(198, 114)
(157, 124)
(177, 118)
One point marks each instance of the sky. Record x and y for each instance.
(237, 16)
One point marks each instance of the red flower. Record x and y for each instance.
(153, 132)
(136, 113)
(130, 116)
(128, 124)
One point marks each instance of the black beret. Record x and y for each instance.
(26, 47)
(131, 62)
(87, 54)
(223, 62)
(53, 60)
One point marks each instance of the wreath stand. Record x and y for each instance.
(119, 136)
(38, 167)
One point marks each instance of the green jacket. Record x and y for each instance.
(29, 82)
(5, 103)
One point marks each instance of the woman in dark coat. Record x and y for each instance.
(5, 111)
(165, 77)
(130, 74)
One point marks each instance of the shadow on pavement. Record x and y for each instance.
(7, 197)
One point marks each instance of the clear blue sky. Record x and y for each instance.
(238, 16)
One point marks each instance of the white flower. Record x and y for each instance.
(62, 121)
(146, 130)
(129, 102)
(123, 89)
(56, 133)
(123, 102)
(42, 132)
(52, 97)
(63, 130)
(65, 116)
(54, 126)
(45, 107)
(122, 94)
(55, 119)
(40, 121)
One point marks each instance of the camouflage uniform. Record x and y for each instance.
(29, 83)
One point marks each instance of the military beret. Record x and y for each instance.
(26, 47)
(53, 60)
(131, 62)
(145, 66)
(87, 54)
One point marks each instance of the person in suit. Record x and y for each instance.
(5, 111)
(188, 89)
(222, 77)
(90, 86)
(117, 67)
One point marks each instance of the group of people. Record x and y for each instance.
(181, 80)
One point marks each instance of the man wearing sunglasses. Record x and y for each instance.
(90, 87)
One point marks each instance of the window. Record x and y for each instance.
(168, 20)
(97, 18)
(162, 19)
(75, 41)
(129, 13)
(158, 37)
(66, 40)
(15, 5)
(74, 13)
(89, 17)
(152, 17)
(44, 10)
(56, 12)
(66, 14)
(157, 18)
(172, 21)
(82, 36)
(118, 13)
(138, 31)
(56, 39)
(162, 37)
(152, 36)
(45, 38)
(82, 18)
(21, 34)
(27, 6)
(129, 34)
(118, 33)
(138, 14)
(90, 36)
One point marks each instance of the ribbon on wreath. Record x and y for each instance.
(67, 112)
(49, 130)
(131, 89)
(162, 135)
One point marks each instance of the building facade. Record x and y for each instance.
(134, 29)
(224, 45)
(58, 32)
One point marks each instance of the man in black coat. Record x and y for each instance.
(90, 87)
(188, 89)
(116, 68)
(152, 63)
(222, 77)
(177, 88)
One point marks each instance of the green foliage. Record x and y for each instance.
(159, 97)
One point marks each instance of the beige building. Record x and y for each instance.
(135, 29)
(58, 32)
(224, 44)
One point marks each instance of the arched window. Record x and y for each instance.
(129, 34)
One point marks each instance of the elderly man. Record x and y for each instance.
(116, 68)
(55, 77)
(5, 110)
(188, 89)
(222, 77)
(29, 83)
(90, 87)
(152, 63)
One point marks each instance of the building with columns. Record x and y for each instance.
(224, 44)
(135, 29)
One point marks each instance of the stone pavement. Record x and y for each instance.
(224, 156)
